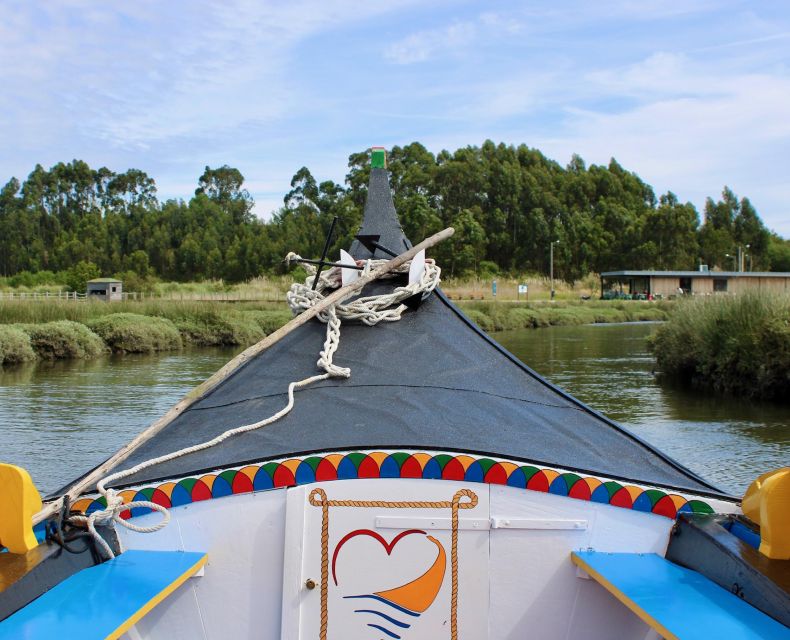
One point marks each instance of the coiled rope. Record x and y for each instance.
(370, 310)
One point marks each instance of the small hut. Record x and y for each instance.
(107, 289)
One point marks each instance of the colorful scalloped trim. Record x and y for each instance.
(351, 466)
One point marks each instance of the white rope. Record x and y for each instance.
(369, 309)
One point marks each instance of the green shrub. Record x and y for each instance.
(77, 277)
(733, 344)
(134, 333)
(211, 329)
(498, 316)
(270, 320)
(14, 345)
(480, 319)
(523, 319)
(64, 339)
(30, 280)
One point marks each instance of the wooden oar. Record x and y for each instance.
(51, 508)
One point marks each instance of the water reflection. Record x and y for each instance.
(726, 440)
(62, 418)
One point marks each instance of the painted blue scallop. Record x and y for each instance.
(304, 473)
(180, 496)
(262, 480)
(559, 487)
(389, 468)
(221, 488)
(346, 470)
(432, 470)
(643, 503)
(474, 472)
(601, 494)
(517, 479)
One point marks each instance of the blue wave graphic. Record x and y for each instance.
(388, 618)
(397, 623)
(392, 604)
(391, 634)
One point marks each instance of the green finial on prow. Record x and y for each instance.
(378, 158)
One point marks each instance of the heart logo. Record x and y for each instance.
(410, 599)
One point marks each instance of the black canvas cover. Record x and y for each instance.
(431, 381)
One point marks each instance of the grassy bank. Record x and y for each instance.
(732, 344)
(499, 316)
(52, 330)
(68, 329)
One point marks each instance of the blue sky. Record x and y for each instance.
(690, 95)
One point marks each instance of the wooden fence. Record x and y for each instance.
(74, 296)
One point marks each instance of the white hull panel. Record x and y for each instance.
(515, 577)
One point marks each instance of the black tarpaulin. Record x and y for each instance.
(430, 381)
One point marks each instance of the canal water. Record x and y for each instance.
(59, 419)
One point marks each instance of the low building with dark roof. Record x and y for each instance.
(107, 289)
(671, 283)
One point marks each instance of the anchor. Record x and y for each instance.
(371, 243)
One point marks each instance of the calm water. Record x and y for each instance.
(725, 440)
(60, 419)
(63, 418)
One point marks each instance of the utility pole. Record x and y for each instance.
(551, 265)
(742, 257)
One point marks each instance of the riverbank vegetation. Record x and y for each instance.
(52, 330)
(73, 222)
(732, 344)
(63, 339)
(61, 329)
(501, 316)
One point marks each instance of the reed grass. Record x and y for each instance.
(732, 344)
(161, 324)
(38, 311)
(500, 316)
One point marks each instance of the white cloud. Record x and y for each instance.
(689, 95)
(423, 45)
(694, 128)
(134, 76)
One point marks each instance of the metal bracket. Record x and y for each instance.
(538, 524)
(406, 522)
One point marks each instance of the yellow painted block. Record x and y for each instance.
(767, 503)
(775, 516)
(750, 505)
(19, 502)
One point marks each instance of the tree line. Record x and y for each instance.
(507, 203)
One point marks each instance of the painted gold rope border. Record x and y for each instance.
(318, 498)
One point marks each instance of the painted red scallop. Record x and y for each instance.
(283, 477)
(160, 497)
(200, 491)
(453, 470)
(622, 498)
(368, 468)
(325, 471)
(411, 468)
(496, 475)
(665, 507)
(538, 482)
(580, 490)
(241, 483)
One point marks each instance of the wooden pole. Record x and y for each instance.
(51, 508)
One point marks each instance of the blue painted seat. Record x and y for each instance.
(106, 600)
(680, 604)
